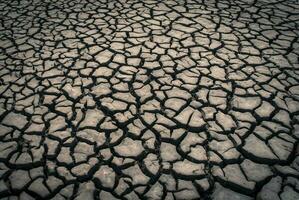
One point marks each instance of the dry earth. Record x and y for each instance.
(128, 99)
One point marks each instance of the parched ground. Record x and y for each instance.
(128, 99)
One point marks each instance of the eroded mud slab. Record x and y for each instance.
(149, 99)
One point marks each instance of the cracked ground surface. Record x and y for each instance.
(149, 99)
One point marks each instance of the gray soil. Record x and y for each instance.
(128, 99)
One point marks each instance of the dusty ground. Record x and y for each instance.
(149, 99)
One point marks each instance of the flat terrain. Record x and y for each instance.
(128, 99)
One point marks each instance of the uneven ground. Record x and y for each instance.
(149, 99)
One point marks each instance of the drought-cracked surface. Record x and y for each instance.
(149, 99)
